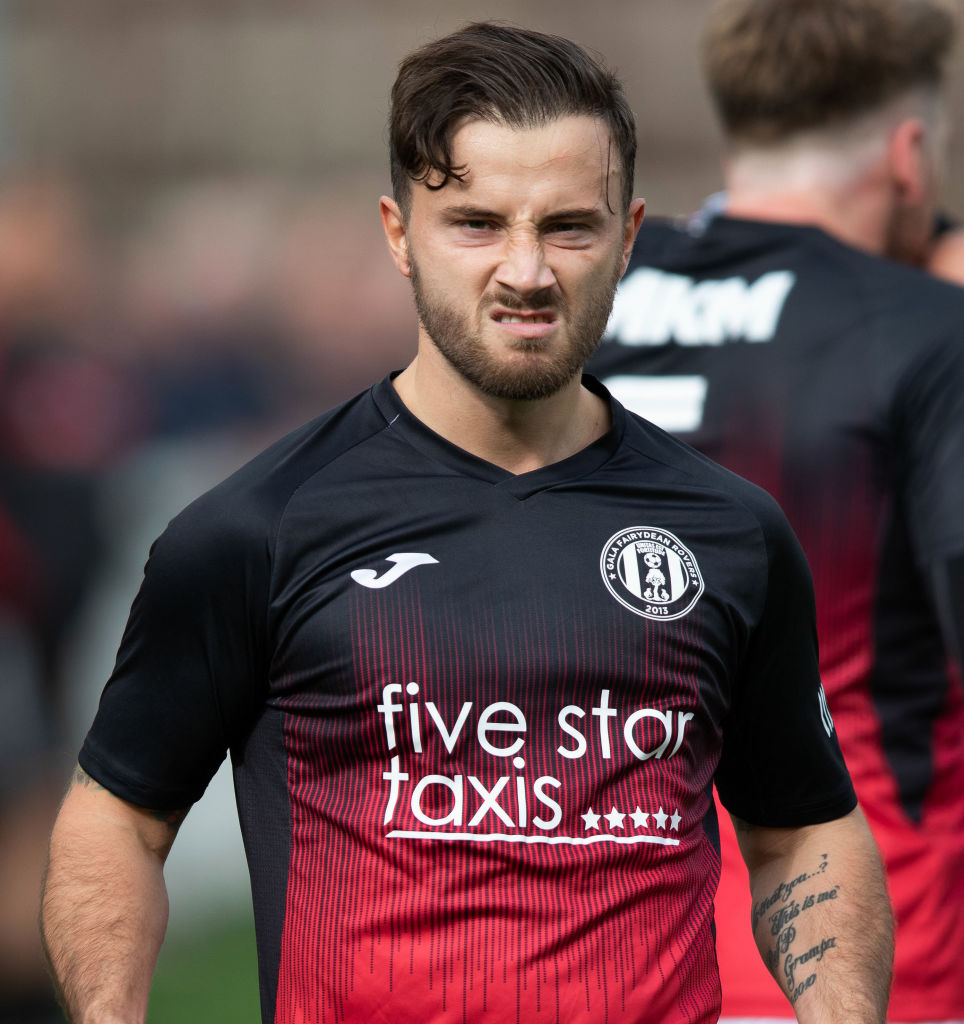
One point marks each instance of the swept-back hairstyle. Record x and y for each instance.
(778, 67)
(504, 75)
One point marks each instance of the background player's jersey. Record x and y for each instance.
(475, 718)
(836, 381)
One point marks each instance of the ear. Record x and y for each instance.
(634, 219)
(396, 235)
(907, 153)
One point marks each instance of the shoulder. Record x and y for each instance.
(658, 239)
(915, 324)
(828, 285)
(737, 534)
(672, 462)
(889, 288)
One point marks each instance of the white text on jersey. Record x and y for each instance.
(655, 308)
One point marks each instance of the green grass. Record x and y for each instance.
(209, 976)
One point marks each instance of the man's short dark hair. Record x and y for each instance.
(778, 67)
(503, 75)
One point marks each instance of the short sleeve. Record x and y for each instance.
(781, 764)
(190, 671)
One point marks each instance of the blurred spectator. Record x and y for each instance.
(63, 420)
(67, 412)
(157, 359)
(348, 314)
(196, 313)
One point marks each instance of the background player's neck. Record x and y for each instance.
(855, 209)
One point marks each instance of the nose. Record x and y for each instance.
(523, 268)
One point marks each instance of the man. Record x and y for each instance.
(775, 339)
(479, 643)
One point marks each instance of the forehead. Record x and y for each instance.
(566, 162)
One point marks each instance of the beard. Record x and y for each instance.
(535, 374)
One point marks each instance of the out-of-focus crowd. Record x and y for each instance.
(139, 365)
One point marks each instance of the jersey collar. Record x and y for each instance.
(457, 460)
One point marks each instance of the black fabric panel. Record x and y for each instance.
(264, 809)
(948, 582)
(909, 681)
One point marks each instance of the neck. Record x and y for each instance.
(518, 436)
(853, 209)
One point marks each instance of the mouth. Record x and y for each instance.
(524, 318)
(531, 325)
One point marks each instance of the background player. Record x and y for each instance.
(775, 339)
(474, 776)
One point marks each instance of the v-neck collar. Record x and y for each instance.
(521, 485)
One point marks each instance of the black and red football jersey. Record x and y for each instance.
(835, 380)
(475, 718)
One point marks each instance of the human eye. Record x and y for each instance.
(570, 232)
(572, 226)
(475, 229)
(476, 226)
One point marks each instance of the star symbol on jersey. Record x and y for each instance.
(640, 818)
(591, 819)
(615, 819)
(675, 820)
(660, 818)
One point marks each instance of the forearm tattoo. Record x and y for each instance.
(81, 778)
(173, 819)
(793, 962)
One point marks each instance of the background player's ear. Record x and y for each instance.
(908, 159)
(395, 233)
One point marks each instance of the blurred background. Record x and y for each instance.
(191, 262)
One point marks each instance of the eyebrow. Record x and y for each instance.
(470, 212)
(482, 213)
(580, 213)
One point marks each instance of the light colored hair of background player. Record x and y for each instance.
(779, 67)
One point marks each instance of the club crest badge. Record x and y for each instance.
(650, 572)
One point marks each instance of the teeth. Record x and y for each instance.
(523, 319)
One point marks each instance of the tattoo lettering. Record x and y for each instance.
(780, 910)
(795, 993)
(784, 915)
(791, 963)
(785, 939)
(784, 891)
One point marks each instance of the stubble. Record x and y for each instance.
(536, 373)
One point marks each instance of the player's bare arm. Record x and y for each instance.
(821, 917)
(104, 908)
